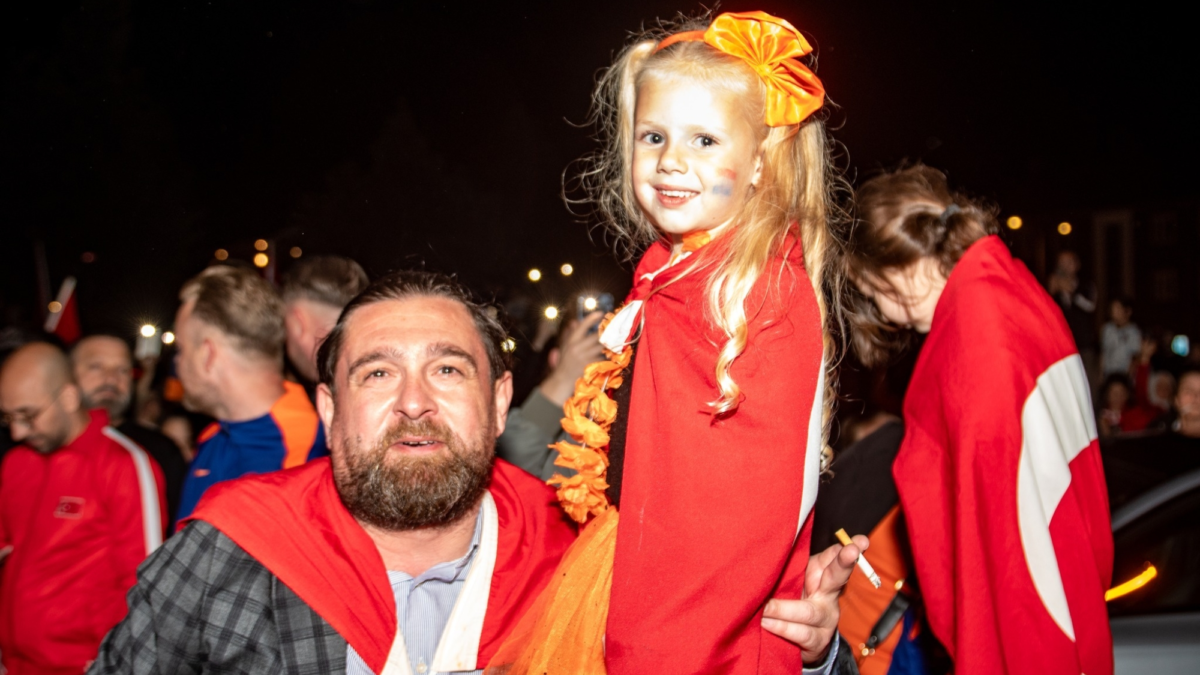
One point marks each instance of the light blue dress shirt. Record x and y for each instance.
(423, 606)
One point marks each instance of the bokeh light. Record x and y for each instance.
(1014, 222)
(55, 307)
(148, 330)
(295, 252)
(551, 312)
(221, 254)
(589, 304)
(261, 260)
(168, 338)
(567, 269)
(1064, 228)
(535, 274)
(260, 245)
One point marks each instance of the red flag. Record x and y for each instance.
(1001, 482)
(63, 319)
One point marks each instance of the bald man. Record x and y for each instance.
(81, 506)
(103, 369)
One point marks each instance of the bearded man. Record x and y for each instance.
(411, 550)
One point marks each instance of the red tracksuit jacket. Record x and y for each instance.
(1000, 479)
(79, 520)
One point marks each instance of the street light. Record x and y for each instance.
(535, 274)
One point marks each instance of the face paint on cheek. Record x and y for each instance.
(725, 187)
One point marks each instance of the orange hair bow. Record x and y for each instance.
(770, 46)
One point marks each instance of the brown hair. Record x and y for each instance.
(240, 304)
(901, 217)
(795, 195)
(328, 279)
(407, 284)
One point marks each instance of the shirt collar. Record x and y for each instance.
(446, 572)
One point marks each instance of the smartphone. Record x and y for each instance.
(147, 347)
(586, 304)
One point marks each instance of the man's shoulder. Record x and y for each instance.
(525, 501)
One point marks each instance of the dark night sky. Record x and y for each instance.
(152, 133)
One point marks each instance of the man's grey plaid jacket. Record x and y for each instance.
(202, 604)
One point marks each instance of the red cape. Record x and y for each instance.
(710, 508)
(1000, 479)
(294, 523)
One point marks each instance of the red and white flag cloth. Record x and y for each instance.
(63, 317)
(1000, 479)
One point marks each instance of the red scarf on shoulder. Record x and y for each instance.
(294, 523)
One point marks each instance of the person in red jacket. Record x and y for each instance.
(999, 473)
(81, 506)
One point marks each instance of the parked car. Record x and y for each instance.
(1154, 605)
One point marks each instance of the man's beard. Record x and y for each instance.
(108, 398)
(403, 492)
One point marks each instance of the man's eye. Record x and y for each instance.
(377, 373)
(448, 370)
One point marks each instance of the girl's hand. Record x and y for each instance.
(811, 622)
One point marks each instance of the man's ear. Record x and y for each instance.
(70, 399)
(325, 407)
(502, 393)
(208, 353)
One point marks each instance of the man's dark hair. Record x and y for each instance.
(415, 284)
(1125, 301)
(328, 279)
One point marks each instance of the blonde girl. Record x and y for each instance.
(697, 443)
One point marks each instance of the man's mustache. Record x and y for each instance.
(106, 388)
(426, 428)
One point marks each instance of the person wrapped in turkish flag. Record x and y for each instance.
(999, 473)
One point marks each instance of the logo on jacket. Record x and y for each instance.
(69, 507)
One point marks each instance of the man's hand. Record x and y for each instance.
(811, 622)
(579, 347)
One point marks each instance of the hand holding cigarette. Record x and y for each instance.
(862, 559)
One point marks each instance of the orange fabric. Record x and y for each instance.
(293, 413)
(208, 432)
(770, 46)
(563, 632)
(862, 604)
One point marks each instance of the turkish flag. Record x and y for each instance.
(63, 319)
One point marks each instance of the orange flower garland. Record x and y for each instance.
(589, 416)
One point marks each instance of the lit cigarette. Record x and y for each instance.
(862, 560)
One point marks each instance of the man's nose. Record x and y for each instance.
(415, 398)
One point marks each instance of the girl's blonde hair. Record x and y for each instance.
(794, 194)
